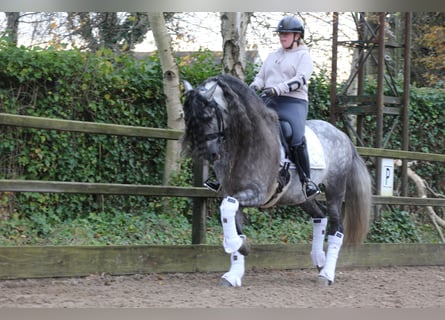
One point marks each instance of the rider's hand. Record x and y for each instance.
(269, 92)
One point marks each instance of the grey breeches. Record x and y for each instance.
(292, 110)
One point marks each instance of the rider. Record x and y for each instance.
(283, 79)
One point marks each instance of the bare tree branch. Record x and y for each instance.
(421, 187)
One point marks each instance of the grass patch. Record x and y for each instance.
(156, 227)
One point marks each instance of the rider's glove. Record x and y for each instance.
(269, 92)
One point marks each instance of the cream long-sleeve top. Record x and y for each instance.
(287, 71)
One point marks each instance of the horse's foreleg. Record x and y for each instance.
(253, 195)
(235, 274)
(232, 243)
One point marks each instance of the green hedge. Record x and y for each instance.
(109, 88)
(426, 131)
(73, 85)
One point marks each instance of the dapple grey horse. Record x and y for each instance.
(228, 124)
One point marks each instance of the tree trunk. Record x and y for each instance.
(12, 26)
(170, 73)
(233, 30)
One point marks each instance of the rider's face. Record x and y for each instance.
(286, 39)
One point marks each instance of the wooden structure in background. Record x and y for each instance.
(372, 45)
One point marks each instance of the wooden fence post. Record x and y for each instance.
(199, 215)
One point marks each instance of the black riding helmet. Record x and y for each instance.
(291, 24)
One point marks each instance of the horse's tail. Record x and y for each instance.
(357, 201)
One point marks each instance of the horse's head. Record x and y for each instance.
(204, 110)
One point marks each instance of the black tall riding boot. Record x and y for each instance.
(300, 158)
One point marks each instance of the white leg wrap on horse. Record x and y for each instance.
(235, 275)
(319, 233)
(334, 244)
(232, 241)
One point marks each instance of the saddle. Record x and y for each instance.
(316, 159)
(314, 147)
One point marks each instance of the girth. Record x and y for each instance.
(282, 184)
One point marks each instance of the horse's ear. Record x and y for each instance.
(208, 94)
(187, 86)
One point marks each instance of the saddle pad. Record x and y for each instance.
(315, 150)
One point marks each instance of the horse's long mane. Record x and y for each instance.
(250, 147)
(249, 119)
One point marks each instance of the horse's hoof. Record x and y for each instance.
(245, 247)
(225, 283)
(323, 282)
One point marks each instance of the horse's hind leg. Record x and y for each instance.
(234, 243)
(325, 263)
(319, 223)
(335, 239)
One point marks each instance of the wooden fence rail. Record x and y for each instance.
(77, 261)
(400, 154)
(87, 127)
(164, 191)
(133, 131)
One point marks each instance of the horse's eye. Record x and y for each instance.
(208, 113)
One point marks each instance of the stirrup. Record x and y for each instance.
(312, 187)
(214, 186)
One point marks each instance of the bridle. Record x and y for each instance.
(208, 95)
(220, 134)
